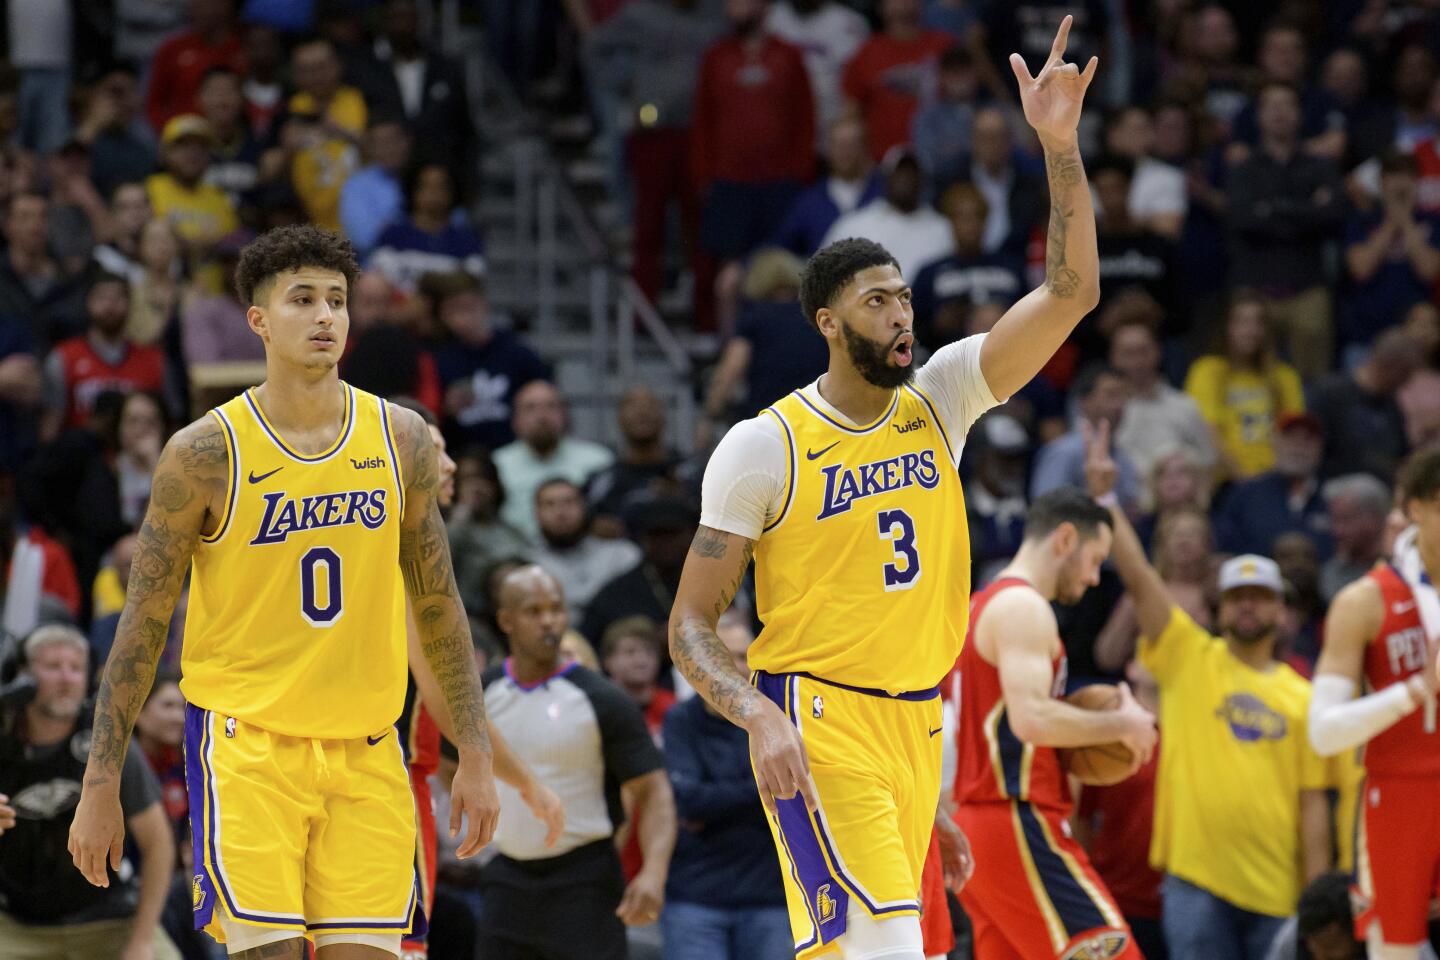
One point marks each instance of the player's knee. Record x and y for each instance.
(896, 938)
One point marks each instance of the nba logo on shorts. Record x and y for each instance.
(824, 906)
(817, 707)
(230, 727)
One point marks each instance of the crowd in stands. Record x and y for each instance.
(1266, 351)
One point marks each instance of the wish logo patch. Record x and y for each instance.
(1250, 720)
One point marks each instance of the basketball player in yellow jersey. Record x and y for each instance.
(307, 513)
(847, 495)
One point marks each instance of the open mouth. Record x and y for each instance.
(902, 350)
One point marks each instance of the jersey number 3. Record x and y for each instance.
(897, 527)
(320, 600)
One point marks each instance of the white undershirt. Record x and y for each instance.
(744, 483)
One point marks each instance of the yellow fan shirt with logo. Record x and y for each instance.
(296, 621)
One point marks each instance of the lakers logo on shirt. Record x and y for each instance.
(845, 485)
(1103, 946)
(197, 892)
(285, 515)
(1250, 719)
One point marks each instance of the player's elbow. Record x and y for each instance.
(1027, 726)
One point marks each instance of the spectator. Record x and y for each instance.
(1392, 255)
(155, 296)
(436, 236)
(899, 221)
(200, 212)
(945, 288)
(645, 465)
(1409, 123)
(479, 539)
(482, 366)
(1364, 428)
(1100, 404)
(213, 326)
(753, 134)
(213, 40)
(1284, 206)
(264, 92)
(579, 560)
(20, 394)
(630, 654)
(122, 146)
(1358, 504)
(32, 284)
(850, 183)
(1282, 58)
(664, 527)
(942, 128)
(1209, 68)
(41, 37)
(129, 212)
(1131, 256)
(542, 449)
(1419, 399)
(1157, 200)
(1244, 390)
(160, 735)
(893, 72)
(330, 117)
(724, 900)
(654, 48)
(1017, 201)
(995, 495)
(1323, 927)
(113, 489)
(77, 213)
(373, 198)
(773, 350)
(234, 150)
(1345, 79)
(425, 88)
(828, 33)
(1255, 512)
(588, 743)
(1234, 723)
(49, 908)
(107, 599)
(1156, 414)
(102, 359)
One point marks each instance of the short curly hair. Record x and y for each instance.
(832, 268)
(1420, 476)
(292, 248)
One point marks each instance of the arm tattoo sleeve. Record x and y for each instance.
(698, 652)
(430, 583)
(1065, 173)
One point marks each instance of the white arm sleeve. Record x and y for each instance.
(745, 479)
(952, 378)
(1338, 722)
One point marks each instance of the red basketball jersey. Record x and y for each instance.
(88, 374)
(995, 766)
(1398, 652)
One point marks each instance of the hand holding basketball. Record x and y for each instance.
(1102, 764)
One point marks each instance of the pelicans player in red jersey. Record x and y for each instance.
(847, 496)
(1035, 894)
(1376, 636)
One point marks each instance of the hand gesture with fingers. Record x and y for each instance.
(1101, 471)
(1052, 100)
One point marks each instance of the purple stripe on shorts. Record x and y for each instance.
(202, 889)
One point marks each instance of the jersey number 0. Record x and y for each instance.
(318, 562)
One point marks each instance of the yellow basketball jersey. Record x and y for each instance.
(864, 577)
(297, 612)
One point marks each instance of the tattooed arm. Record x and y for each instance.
(713, 571)
(1030, 332)
(186, 497)
(444, 630)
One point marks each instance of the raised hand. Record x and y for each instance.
(1052, 100)
(1101, 471)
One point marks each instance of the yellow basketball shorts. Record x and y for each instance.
(296, 833)
(875, 760)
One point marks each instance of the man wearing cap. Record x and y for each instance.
(1284, 499)
(1242, 820)
(200, 212)
(899, 221)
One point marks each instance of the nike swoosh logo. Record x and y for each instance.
(374, 740)
(1400, 608)
(936, 730)
(255, 479)
(817, 454)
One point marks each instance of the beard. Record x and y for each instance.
(872, 359)
(1251, 635)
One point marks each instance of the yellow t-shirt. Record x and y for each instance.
(1243, 406)
(1237, 755)
(318, 175)
(347, 108)
(1347, 776)
(199, 216)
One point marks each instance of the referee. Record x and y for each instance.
(587, 741)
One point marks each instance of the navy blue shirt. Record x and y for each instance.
(786, 352)
(1256, 511)
(17, 425)
(724, 856)
(1395, 287)
(495, 371)
(813, 213)
(987, 278)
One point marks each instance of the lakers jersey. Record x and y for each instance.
(863, 577)
(297, 613)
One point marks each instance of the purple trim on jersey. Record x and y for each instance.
(285, 448)
(889, 412)
(390, 445)
(527, 687)
(202, 883)
(800, 837)
(234, 494)
(912, 695)
(793, 480)
(938, 425)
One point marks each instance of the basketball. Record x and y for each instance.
(1101, 764)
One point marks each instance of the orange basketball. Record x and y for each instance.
(1101, 764)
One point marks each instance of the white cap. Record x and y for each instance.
(1251, 570)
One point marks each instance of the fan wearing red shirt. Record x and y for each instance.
(102, 359)
(181, 62)
(893, 71)
(752, 136)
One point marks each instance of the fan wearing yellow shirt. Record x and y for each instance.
(307, 515)
(200, 213)
(1242, 820)
(333, 116)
